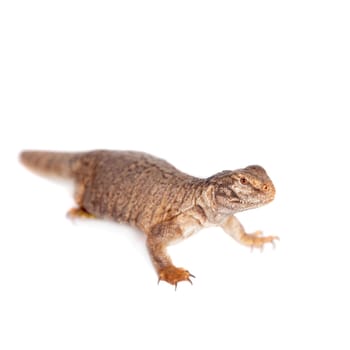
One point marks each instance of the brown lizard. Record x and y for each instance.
(163, 202)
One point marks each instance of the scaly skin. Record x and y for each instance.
(163, 202)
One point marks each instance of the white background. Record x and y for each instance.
(208, 86)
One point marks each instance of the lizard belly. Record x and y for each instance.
(190, 230)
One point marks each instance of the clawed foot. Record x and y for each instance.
(79, 213)
(256, 240)
(173, 275)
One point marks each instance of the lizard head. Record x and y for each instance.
(242, 189)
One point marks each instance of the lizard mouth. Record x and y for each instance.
(256, 202)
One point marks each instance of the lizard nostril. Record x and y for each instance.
(265, 187)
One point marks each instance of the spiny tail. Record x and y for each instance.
(50, 163)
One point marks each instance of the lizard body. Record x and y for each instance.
(152, 195)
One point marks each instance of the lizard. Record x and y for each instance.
(152, 195)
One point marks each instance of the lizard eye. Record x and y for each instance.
(243, 180)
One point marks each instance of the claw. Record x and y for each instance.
(259, 242)
(273, 242)
(173, 275)
(192, 275)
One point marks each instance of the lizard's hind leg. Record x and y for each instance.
(80, 211)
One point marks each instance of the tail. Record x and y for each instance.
(50, 163)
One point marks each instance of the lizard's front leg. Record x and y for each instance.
(157, 241)
(234, 228)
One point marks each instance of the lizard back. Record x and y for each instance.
(134, 187)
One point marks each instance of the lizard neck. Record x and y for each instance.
(206, 201)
